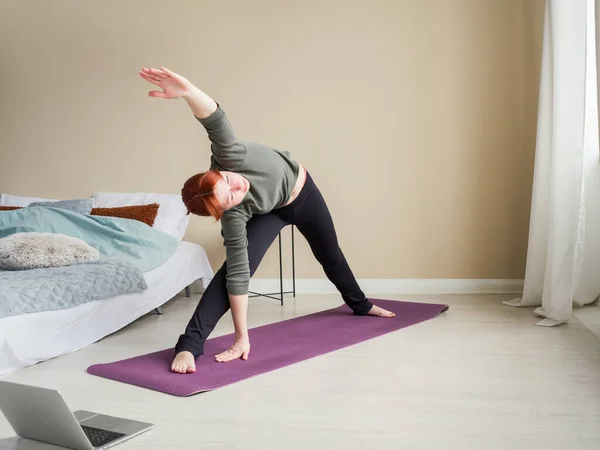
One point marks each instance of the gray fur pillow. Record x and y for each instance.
(22, 251)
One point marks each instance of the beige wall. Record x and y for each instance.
(417, 118)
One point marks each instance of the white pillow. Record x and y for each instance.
(172, 215)
(17, 200)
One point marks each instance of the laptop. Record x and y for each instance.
(42, 415)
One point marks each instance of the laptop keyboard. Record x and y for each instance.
(98, 437)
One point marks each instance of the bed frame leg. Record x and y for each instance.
(158, 311)
(187, 291)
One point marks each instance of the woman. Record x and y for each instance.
(254, 191)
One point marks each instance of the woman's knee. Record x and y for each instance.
(330, 257)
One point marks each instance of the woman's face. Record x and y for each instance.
(231, 189)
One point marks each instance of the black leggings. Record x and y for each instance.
(309, 213)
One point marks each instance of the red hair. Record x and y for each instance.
(199, 197)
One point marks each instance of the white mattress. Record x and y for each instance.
(68, 330)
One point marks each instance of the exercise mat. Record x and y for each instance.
(273, 346)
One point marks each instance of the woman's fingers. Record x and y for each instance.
(157, 73)
(163, 72)
(168, 72)
(148, 71)
(152, 79)
(227, 356)
(154, 73)
(220, 356)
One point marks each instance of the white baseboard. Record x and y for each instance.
(394, 286)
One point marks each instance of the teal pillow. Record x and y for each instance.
(79, 205)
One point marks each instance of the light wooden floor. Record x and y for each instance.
(481, 376)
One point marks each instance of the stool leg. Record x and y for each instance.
(280, 270)
(293, 265)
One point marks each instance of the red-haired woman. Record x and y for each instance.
(255, 191)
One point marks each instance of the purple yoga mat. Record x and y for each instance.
(273, 346)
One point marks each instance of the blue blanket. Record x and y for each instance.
(37, 290)
(115, 238)
(128, 248)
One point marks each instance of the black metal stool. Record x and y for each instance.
(281, 292)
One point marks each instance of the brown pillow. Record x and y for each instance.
(143, 213)
(9, 208)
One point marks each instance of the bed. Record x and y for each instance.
(70, 329)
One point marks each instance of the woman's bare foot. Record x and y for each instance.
(184, 362)
(380, 312)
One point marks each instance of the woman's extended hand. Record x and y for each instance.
(173, 85)
(239, 349)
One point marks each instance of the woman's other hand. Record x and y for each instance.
(172, 84)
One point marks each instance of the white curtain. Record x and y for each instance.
(563, 255)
